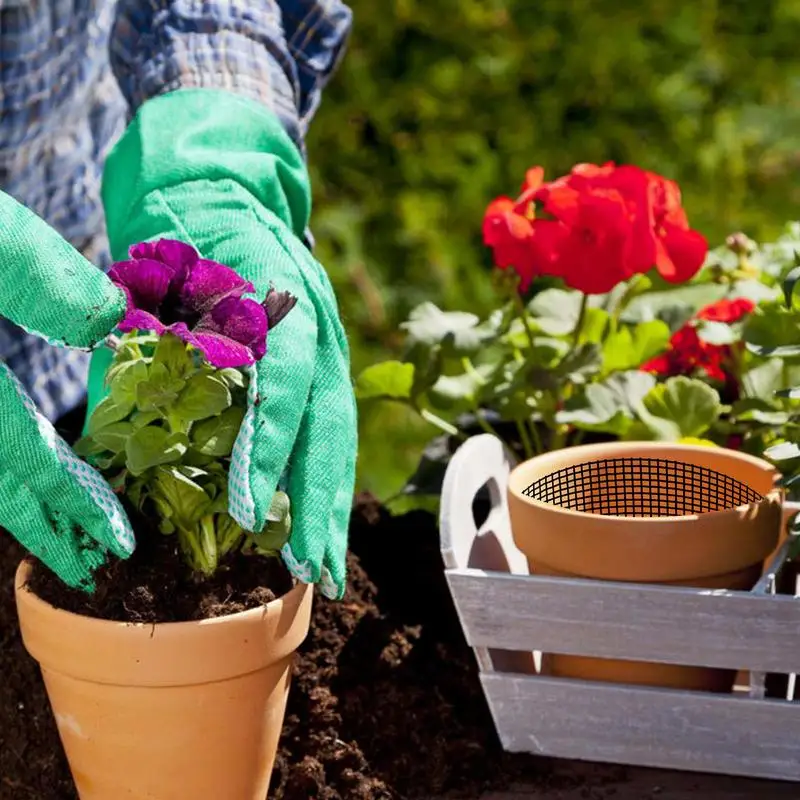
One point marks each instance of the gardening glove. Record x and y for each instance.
(57, 506)
(218, 171)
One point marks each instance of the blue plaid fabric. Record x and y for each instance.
(73, 71)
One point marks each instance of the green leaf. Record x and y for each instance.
(630, 346)
(151, 446)
(555, 312)
(186, 500)
(122, 380)
(790, 283)
(233, 378)
(203, 396)
(159, 391)
(86, 447)
(173, 354)
(581, 363)
(454, 391)
(773, 330)
(753, 409)
(764, 379)
(216, 436)
(718, 333)
(596, 323)
(390, 380)
(679, 408)
(141, 418)
(457, 331)
(107, 412)
(608, 406)
(279, 525)
(115, 436)
(783, 451)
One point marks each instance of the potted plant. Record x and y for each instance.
(169, 678)
(616, 325)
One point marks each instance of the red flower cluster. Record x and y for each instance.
(688, 353)
(604, 225)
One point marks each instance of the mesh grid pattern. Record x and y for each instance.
(641, 487)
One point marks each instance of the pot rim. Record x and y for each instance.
(21, 584)
(618, 450)
(164, 653)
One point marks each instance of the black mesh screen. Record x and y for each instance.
(641, 487)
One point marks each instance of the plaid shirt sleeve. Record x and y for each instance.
(278, 52)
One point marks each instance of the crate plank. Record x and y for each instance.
(736, 630)
(691, 731)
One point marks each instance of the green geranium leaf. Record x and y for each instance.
(718, 333)
(151, 446)
(114, 437)
(596, 323)
(173, 354)
(216, 436)
(630, 346)
(753, 409)
(608, 406)
(679, 408)
(555, 312)
(455, 391)
(107, 412)
(769, 329)
(764, 379)
(390, 380)
(783, 451)
(457, 331)
(581, 363)
(203, 396)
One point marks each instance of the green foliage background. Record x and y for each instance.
(440, 105)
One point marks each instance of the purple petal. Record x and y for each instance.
(142, 250)
(136, 319)
(208, 283)
(147, 281)
(244, 321)
(175, 254)
(222, 352)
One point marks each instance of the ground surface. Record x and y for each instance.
(385, 702)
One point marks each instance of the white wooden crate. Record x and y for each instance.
(508, 614)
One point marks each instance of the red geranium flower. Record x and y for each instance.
(727, 310)
(509, 234)
(606, 223)
(687, 354)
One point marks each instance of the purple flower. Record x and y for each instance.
(169, 288)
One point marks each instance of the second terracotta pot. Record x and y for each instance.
(647, 513)
(169, 711)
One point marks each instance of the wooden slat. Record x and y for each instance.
(672, 625)
(648, 727)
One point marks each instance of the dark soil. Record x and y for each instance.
(153, 585)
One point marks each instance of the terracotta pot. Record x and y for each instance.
(646, 512)
(169, 711)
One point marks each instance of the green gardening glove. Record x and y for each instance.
(218, 171)
(57, 506)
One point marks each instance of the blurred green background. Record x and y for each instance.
(440, 105)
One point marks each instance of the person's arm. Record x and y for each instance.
(280, 53)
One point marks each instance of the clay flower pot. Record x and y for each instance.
(646, 512)
(168, 711)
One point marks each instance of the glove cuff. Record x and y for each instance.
(197, 135)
